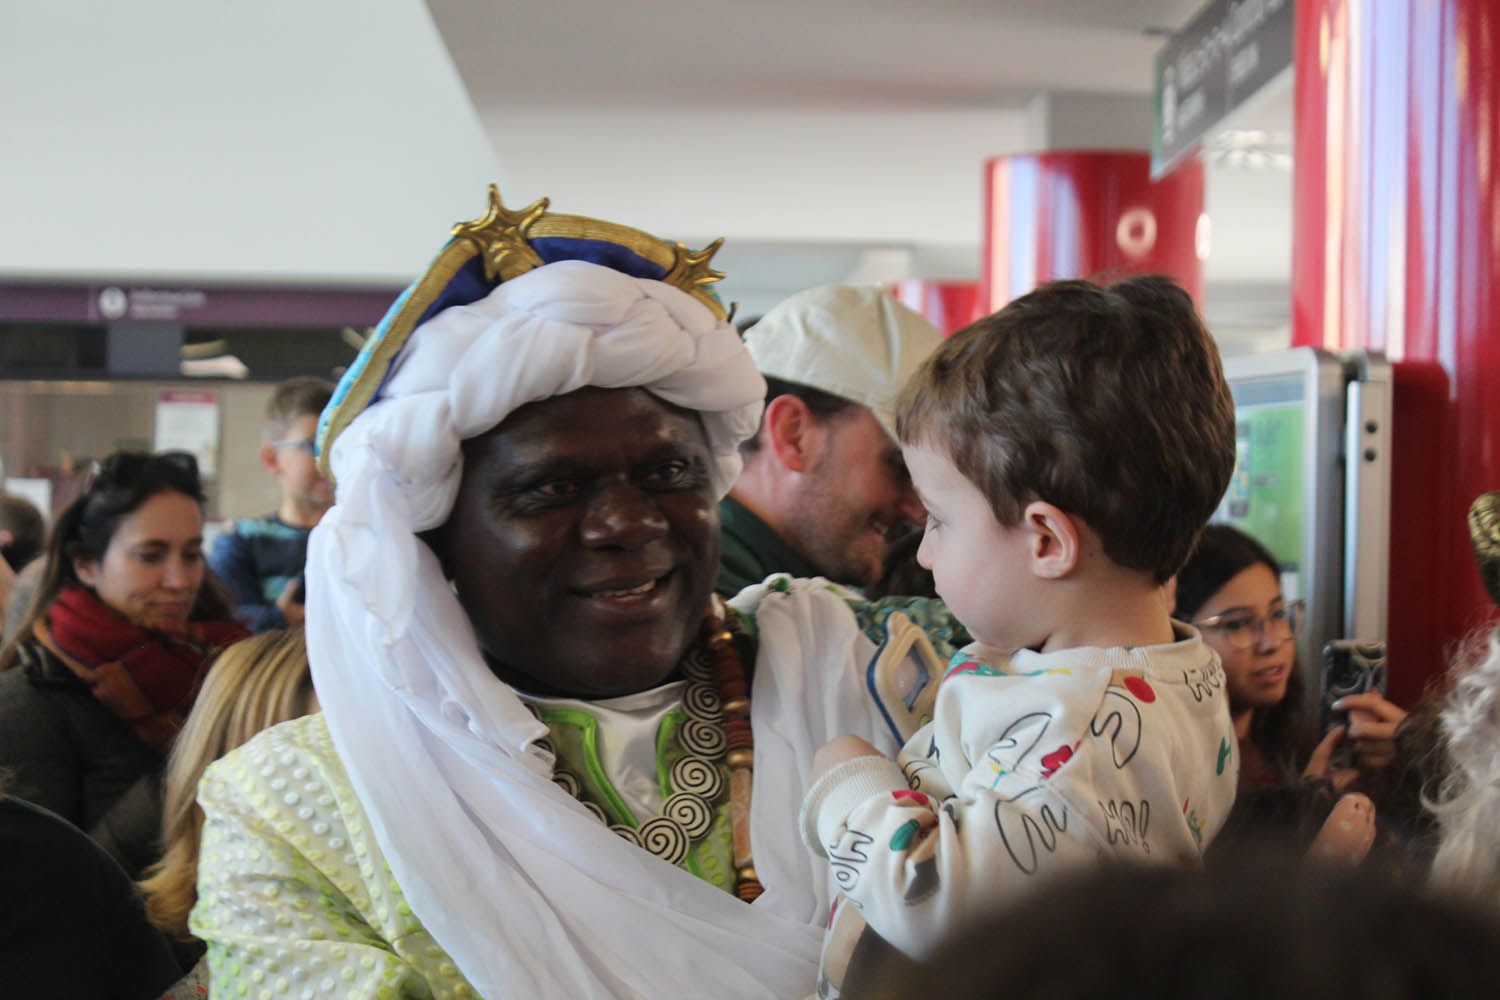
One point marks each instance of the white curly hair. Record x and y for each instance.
(1468, 803)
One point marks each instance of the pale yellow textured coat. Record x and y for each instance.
(295, 898)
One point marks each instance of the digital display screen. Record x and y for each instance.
(1265, 493)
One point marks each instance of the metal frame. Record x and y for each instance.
(1367, 496)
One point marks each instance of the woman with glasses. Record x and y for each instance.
(1230, 590)
(97, 682)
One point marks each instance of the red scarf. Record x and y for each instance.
(146, 677)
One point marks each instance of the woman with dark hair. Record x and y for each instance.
(1230, 590)
(97, 682)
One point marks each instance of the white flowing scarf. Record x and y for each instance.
(528, 893)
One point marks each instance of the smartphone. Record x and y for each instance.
(299, 591)
(1350, 667)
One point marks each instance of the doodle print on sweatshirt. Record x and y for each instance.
(1202, 682)
(1195, 825)
(1025, 836)
(914, 838)
(846, 864)
(1125, 823)
(1006, 756)
(931, 760)
(1119, 721)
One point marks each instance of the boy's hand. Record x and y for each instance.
(294, 611)
(836, 751)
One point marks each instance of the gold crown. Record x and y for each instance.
(502, 239)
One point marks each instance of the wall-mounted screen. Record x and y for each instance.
(1288, 484)
(1265, 495)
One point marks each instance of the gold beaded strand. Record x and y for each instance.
(739, 746)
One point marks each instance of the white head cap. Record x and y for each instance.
(857, 343)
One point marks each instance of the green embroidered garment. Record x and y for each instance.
(622, 751)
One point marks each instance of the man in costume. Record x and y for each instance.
(549, 763)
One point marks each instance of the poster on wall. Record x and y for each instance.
(189, 421)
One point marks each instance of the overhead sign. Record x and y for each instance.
(137, 303)
(107, 302)
(1227, 53)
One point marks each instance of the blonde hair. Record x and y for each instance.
(253, 685)
(1468, 804)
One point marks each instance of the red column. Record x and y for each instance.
(1093, 214)
(1397, 248)
(948, 305)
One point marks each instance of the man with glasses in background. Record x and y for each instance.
(260, 560)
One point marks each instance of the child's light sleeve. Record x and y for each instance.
(969, 818)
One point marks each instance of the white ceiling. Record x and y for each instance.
(813, 134)
(797, 54)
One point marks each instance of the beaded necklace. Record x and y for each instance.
(716, 701)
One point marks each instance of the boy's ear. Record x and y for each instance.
(1053, 540)
(792, 432)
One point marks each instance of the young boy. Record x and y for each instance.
(261, 559)
(1069, 450)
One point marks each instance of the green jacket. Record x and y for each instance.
(749, 551)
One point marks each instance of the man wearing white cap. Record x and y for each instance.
(824, 485)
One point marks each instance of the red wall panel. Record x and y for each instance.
(1397, 248)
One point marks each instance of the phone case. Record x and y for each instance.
(1350, 667)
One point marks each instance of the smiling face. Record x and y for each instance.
(1257, 676)
(583, 541)
(856, 495)
(980, 567)
(153, 566)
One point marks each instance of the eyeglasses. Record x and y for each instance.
(306, 444)
(1243, 630)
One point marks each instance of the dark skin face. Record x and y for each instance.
(584, 540)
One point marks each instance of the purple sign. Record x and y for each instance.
(201, 305)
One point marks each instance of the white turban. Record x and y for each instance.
(529, 894)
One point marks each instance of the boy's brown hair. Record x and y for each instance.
(1109, 402)
(303, 396)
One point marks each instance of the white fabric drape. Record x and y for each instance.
(525, 890)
